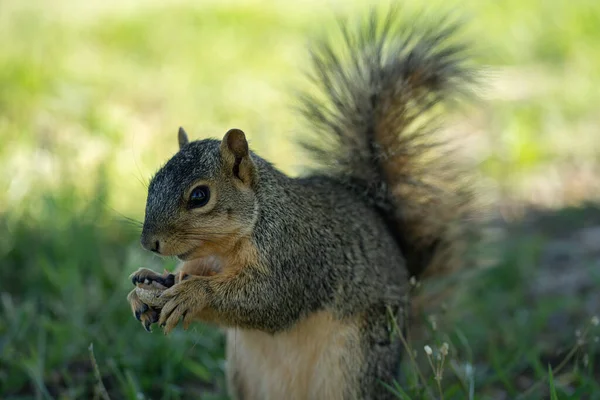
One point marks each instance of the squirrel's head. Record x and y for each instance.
(202, 200)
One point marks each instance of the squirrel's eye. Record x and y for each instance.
(199, 196)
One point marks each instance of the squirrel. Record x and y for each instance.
(310, 276)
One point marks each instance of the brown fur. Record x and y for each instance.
(225, 256)
(217, 271)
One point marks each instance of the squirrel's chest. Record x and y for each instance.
(314, 360)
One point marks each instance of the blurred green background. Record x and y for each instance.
(92, 94)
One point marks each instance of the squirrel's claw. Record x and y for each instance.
(147, 326)
(145, 276)
(138, 312)
(184, 302)
(149, 318)
(170, 316)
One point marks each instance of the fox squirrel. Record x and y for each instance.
(305, 274)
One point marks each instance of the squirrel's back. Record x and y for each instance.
(329, 232)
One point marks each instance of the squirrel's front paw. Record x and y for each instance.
(143, 300)
(145, 314)
(183, 301)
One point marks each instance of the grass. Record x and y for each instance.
(91, 98)
(505, 329)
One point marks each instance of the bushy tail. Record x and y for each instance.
(376, 107)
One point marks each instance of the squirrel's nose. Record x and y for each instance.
(151, 243)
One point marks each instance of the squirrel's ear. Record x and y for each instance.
(182, 137)
(236, 156)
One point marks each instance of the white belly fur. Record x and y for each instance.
(313, 360)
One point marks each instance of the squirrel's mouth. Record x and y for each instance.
(186, 256)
